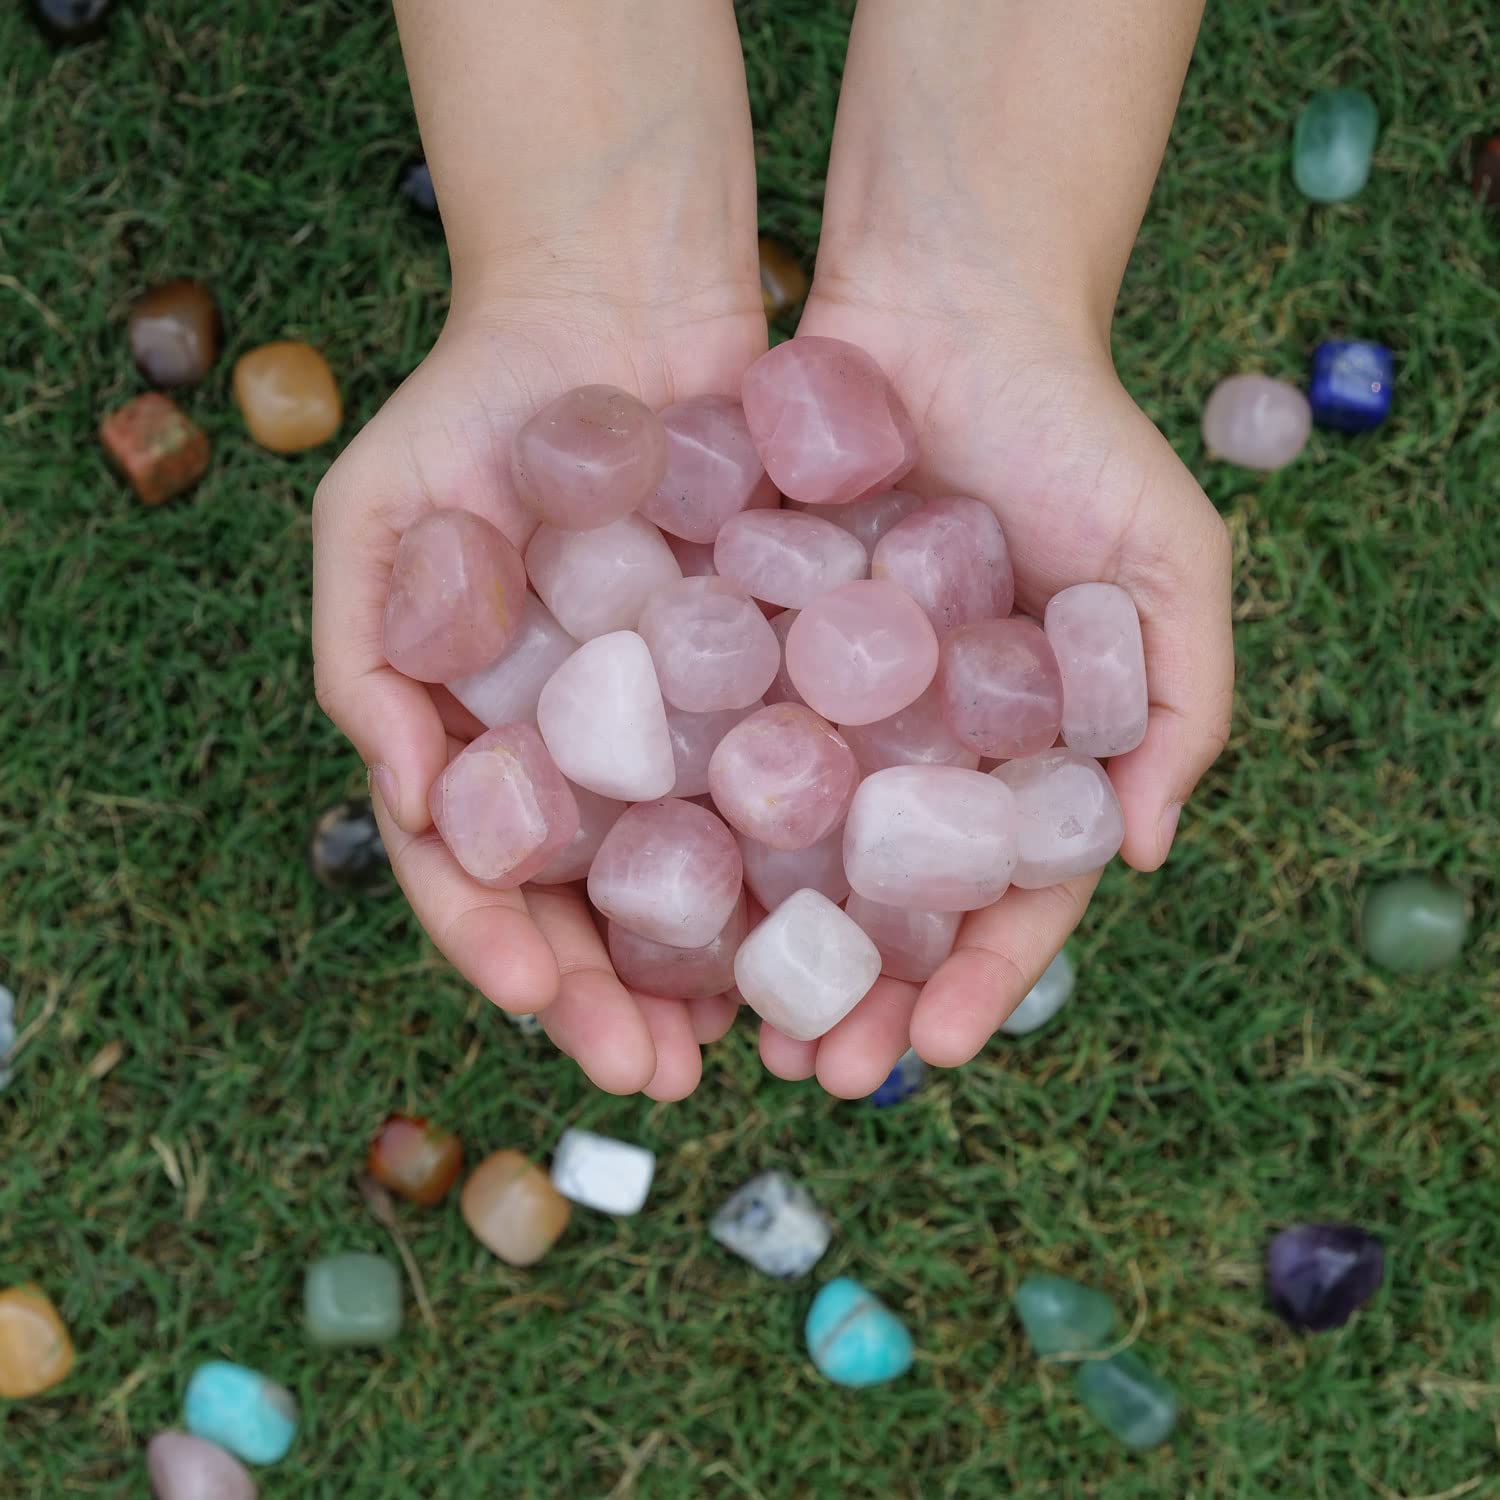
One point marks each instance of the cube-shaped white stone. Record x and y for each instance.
(611, 1176)
(1044, 999)
(774, 1224)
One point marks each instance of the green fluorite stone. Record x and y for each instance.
(1414, 925)
(1124, 1397)
(1332, 144)
(352, 1299)
(1064, 1317)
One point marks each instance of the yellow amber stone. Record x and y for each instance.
(35, 1350)
(288, 396)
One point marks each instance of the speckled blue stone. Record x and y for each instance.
(854, 1338)
(253, 1417)
(1350, 388)
(901, 1082)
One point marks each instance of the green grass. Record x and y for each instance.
(1230, 1064)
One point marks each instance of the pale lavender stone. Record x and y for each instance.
(1256, 422)
(182, 1467)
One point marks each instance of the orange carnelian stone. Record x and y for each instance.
(417, 1160)
(35, 1350)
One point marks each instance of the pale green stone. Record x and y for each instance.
(352, 1299)
(1414, 925)
(1125, 1398)
(1333, 143)
(1064, 1317)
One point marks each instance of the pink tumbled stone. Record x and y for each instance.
(505, 692)
(182, 1467)
(457, 589)
(783, 777)
(861, 653)
(598, 581)
(602, 719)
(913, 736)
(1256, 422)
(1000, 688)
(912, 943)
(596, 816)
(713, 471)
(695, 737)
(806, 966)
(669, 871)
(782, 688)
(502, 806)
(951, 557)
(696, 559)
(827, 424)
(678, 973)
(869, 520)
(773, 874)
(711, 645)
(589, 457)
(931, 838)
(787, 557)
(1096, 634)
(1068, 819)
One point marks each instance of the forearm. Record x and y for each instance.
(1009, 145)
(584, 146)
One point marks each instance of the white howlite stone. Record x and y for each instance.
(806, 966)
(527, 1025)
(608, 1175)
(1045, 998)
(7, 1032)
(773, 1223)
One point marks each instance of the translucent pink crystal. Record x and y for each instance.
(773, 874)
(783, 776)
(931, 838)
(828, 425)
(713, 471)
(455, 598)
(596, 816)
(602, 718)
(678, 973)
(782, 689)
(869, 520)
(951, 557)
(912, 943)
(861, 653)
(598, 581)
(787, 557)
(1256, 422)
(696, 559)
(668, 871)
(913, 736)
(589, 457)
(502, 806)
(695, 737)
(1068, 820)
(1000, 687)
(806, 966)
(711, 645)
(505, 692)
(1096, 634)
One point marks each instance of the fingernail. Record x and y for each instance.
(1166, 828)
(385, 784)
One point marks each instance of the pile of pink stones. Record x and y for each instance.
(777, 712)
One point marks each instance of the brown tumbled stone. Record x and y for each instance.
(174, 333)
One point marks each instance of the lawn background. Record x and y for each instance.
(1229, 1065)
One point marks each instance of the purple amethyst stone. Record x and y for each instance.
(1318, 1274)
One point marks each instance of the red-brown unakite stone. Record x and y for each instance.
(155, 446)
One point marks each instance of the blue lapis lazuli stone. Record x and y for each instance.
(240, 1410)
(854, 1338)
(1350, 387)
(902, 1082)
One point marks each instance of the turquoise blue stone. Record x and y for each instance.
(254, 1418)
(854, 1338)
(1333, 143)
(1414, 925)
(1064, 1317)
(1126, 1399)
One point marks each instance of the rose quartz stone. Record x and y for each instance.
(678, 973)
(181, 1467)
(1096, 635)
(596, 816)
(783, 776)
(602, 718)
(914, 736)
(589, 457)
(502, 806)
(711, 645)
(456, 595)
(1000, 688)
(1068, 819)
(773, 874)
(782, 688)
(696, 559)
(598, 581)
(869, 520)
(861, 653)
(695, 737)
(806, 966)
(951, 557)
(1256, 422)
(713, 471)
(786, 557)
(930, 838)
(669, 871)
(505, 692)
(827, 424)
(912, 943)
